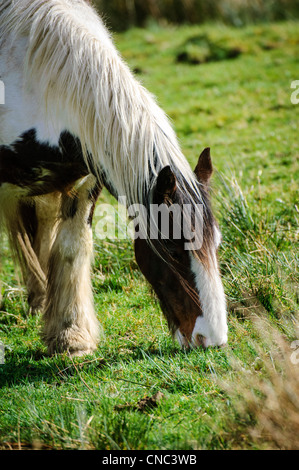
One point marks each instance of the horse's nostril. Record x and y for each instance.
(200, 340)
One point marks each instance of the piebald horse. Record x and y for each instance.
(75, 119)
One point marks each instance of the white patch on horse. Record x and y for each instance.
(18, 97)
(212, 325)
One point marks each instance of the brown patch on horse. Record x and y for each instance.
(167, 265)
(173, 283)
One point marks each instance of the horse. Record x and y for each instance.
(75, 120)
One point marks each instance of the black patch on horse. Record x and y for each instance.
(41, 167)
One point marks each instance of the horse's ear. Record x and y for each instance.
(204, 167)
(166, 184)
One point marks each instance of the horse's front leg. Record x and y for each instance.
(46, 214)
(70, 323)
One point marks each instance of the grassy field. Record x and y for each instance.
(228, 89)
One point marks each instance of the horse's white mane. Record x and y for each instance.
(86, 88)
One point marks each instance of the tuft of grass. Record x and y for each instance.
(259, 255)
(200, 49)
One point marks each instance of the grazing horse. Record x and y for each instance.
(75, 119)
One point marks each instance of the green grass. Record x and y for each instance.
(240, 108)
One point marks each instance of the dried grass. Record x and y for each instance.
(268, 395)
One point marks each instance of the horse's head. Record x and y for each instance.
(184, 275)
